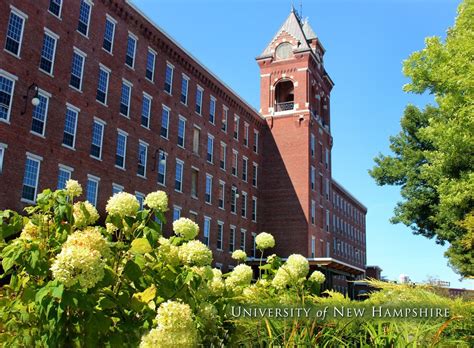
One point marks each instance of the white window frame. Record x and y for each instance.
(200, 101)
(102, 123)
(117, 187)
(153, 52)
(64, 168)
(313, 178)
(60, 10)
(164, 107)
(183, 120)
(91, 4)
(246, 134)
(24, 17)
(328, 220)
(222, 196)
(77, 111)
(243, 205)
(210, 155)
(180, 162)
(171, 66)
(55, 37)
(186, 95)
(232, 230)
(312, 146)
(13, 80)
(235, 159)
(236, 127)
(233, 194)
(225, 118)
(206, 192)
(150, 98)
(3, 149)
(97, 180)
(313, 212)
(254, 174)
(160, 154)
(46, 95)
(177, 208)
(256, 137)
(243, 237)
(32, 157)
(254, 209)
(223, 161)
(114, 22)
(245, 169)
(140, 198)
(220, 236)
(107, 71)
(212, 110)
(207, 231)
(129, 101)
(84, 57)
(125, 134)
(134, 58)
(145, 145)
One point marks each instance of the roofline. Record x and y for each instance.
(349, 194)
(169, 37)
(373, 266)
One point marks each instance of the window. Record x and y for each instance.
(223, 158)
(48, 51)
(140, 198)
(208, 197)
(184, 89)
(77, 69)
(246, 134)
(320, 152)
(313, 178)
(313, 247)
(109, 33)
(326, 161)
(220, 234)
(121, 150)
(210, 148)
(131, 50)
(7, 85)
(181, 131)
(178, 179)
(142, 158)
(64, 174)
(40, 114)
(313, 145)
(253, 252)
(255, 141)
(254, 209)
(103, 84)
(225, 112)
(92, 189)
(70, 126)
(169, 78)
(55, 7)
(162, 157)
(176, 212)
(16, 25)
(116, 188)
(30, 178)
(199, 93)
(150, 64)
(212, 110)
(255, 174)
(165, 119)
(207, 228)
(244, 204)
(97, 138)
(236, 127)
(235, 155)
(125, 98)
(313, 212)
(233, 200)
(194, 182)
(196, 139)
(327, 220)
(327, 188)
(193, 216)
(242, 239)
(245, 162)
(221, 194)
(3, 148)
(146, 110)
(84, 17)
(232, 239)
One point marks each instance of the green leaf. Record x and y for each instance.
(147, 295)
(132, 271)
(140, 246)
(106, 303)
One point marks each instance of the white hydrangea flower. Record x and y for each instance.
(298, 266)
(89, 238)
(157, 200)
(195, 253)
(264, 241)
(111, 228)
(241, 276)
(175, 315)
(239, 255)
(216, 285)
(317, 277)
(186, 228)
(80, 219)
(168, 338)
(73, 188)
(122, 204)
(30, 231)
(167, 252)
(282, 278)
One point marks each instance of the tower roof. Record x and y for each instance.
(297, 28)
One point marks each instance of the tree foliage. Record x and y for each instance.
(433, 155)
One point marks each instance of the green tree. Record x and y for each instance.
(433, 155)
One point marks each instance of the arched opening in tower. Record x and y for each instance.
(284, 96)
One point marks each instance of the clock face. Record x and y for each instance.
(284, 51)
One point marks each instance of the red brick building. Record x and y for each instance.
(119, 105)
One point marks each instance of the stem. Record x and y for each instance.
(260, 266)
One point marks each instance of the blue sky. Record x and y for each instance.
(366, 42)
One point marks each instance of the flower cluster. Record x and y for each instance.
(216, 285)
(240, 277)
(317, 277)
(169, 253)
(239, 255)
(85, 214)
(157, 200)
(195, 253)
(264, 241)
(294, 271)
(89, 238)
(205, 272)
(186, 228)
(30, 231)
(122, 204)
(73, 188)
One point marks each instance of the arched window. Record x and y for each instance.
(284, 96)
(284, 51)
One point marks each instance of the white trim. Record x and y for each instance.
(8, 75)
(112, 19)
(33, 156)
(51, 33)
(65, 167)
(93, 177)
(114, 22)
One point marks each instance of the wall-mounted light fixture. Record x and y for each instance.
(35, 100)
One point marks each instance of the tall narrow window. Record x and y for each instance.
(184, 89)
(64, 174)
(313, 145)
(255, 141)
(16, 25)
(150, 64)
(84, 17)
(207, 229)
(327, 188)
(131, 50)
(212, 110)
(223, 156)
(232, 239)
(326, 158)
(254, 209)
(116, 188)
(313, 212)
(313, 178)
(254, 174)
(70, 126)
(48, 51)
(121, 151)
(199, 93)
(162, 157)
(194, 182)
(220, 235)
(233, 200)
(146, 110)
(245, 162)
(103, 84)
(7, 85)
(109, 33)
(140, 198)
(196, 139)
(125, 98)
(31, 177)
(313, 247)
(176, 212)
(40, 114)
(165, 119)
(225, 113)
(181, 131)
(246, 134)
(92, 189)
(253, 251)
(77, 69)
(208, 197)
(178, 182)
(236, 127)
(210, 148)
(235, 158)
(3, 148)
(327, 220)
(97, 138)
(55, 7)
(221, 194)
(169, 78)
(244, 204)
(142, 158)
